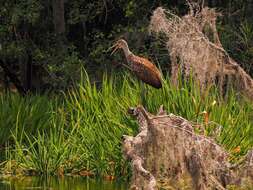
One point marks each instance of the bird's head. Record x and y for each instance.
(120, 44)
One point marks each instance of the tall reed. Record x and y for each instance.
(80, 131)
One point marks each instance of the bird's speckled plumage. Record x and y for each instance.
(142, 67)
(145, 70)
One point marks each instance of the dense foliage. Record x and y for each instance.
(44, 43)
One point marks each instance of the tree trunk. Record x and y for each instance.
(26, 71)
(58, 14)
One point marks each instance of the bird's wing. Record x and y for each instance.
(140, 64)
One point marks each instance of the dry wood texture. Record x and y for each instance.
(167, 153)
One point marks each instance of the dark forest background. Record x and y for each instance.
(45, 43)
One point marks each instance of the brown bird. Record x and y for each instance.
(142, 67)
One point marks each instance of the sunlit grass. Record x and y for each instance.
(81, 129)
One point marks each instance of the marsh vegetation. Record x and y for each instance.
(64, 99)
(80, 131)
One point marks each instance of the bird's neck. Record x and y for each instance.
(126, 51)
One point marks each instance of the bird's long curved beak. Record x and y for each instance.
(115, 47)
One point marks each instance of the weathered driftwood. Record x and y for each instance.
(168, 153)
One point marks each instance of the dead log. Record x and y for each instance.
(168, 154)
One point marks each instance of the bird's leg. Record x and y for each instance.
(143, 95)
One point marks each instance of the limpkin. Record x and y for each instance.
(145, 70)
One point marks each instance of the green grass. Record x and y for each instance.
(81, 130)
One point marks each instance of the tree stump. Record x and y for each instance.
(168, 154)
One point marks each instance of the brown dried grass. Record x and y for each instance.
(194, 47)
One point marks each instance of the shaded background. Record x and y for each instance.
(45, 43)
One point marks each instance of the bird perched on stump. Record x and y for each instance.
(142, 67)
